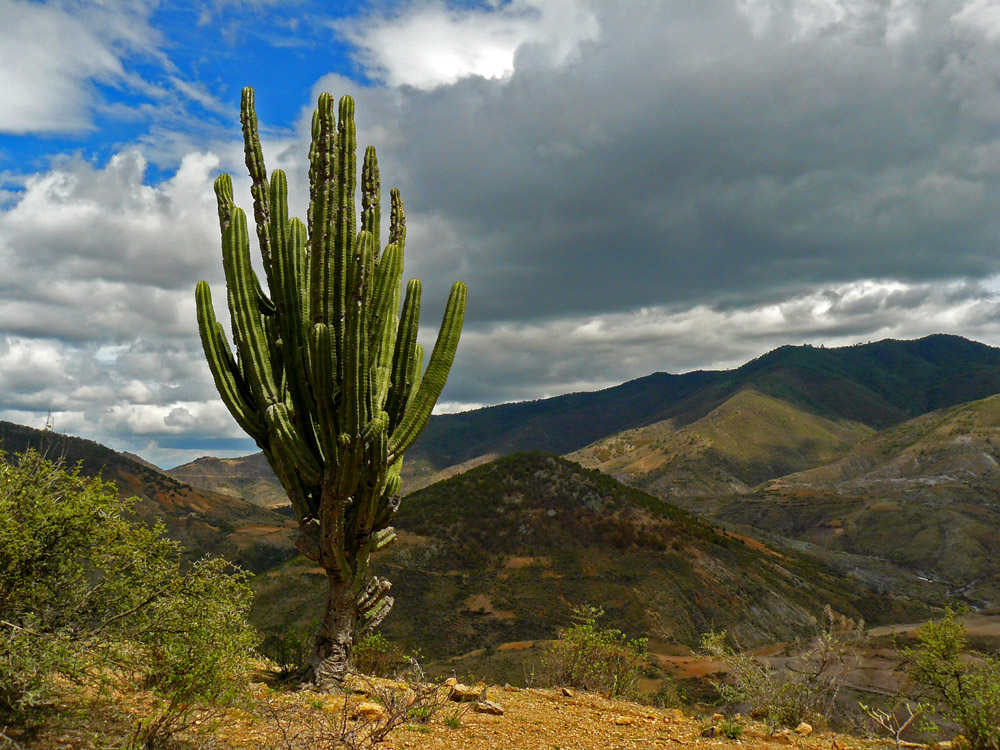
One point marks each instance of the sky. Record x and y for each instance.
(626, 187)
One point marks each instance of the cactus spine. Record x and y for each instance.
(327, 376)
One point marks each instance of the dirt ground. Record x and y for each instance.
(532, 719)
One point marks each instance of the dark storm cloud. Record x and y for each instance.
(703, 153)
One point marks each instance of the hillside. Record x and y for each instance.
(877, 385)
(247, 477)
(745, 440)
(924, 495)
(201, 520)
(826, 395)
(496, 558)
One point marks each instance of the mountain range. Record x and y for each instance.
(687, 434)
(862, 477)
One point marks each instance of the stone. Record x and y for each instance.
(709, 732)
(624, 721)
(674, 714)
(465, 694)
(567, 692)
(368, 710)
(804, 729)
(451, 682)
(489, 707)
(782, 737)
(718, 717)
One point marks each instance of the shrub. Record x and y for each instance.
(376, 656)
(85, 592)
(731, 729)
(805, 692)
(589, 657)
(966, 690)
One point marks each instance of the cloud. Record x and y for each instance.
(521, 361)
(428, 44)
(625, 187)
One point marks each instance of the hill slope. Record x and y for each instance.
(202, 521)
(247, 477)
(501, 555)
(924, 495)
(747, 439)
(875, 385)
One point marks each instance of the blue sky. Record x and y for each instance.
(625, 187)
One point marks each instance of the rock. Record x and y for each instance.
(804, 729)
(368, 710)
(489, 707)
(782, 737)
(624, 721)
(568, 692)
(674, 714)
(508, 688)
(465, 694)
(709, 732)
(838, 744)
(718, 717)
(451, 682)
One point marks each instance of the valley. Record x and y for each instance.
(863, 478)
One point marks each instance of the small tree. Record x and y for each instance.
(83, 589)
(967, 690)
(327, 378)
(805, 691)
(591, 657)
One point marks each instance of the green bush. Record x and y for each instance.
(589, 657)
(376, 656)
(805, 692)
(966, 690)
(88, 594)
(731, 729)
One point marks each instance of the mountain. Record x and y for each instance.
(201, 520)
(745, 440)
(877, 385)
(827, 397)
(500, 555)
(923, 495)
(247, 477)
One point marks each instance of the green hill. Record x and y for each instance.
(202, 521)
(875, 385)
(747, 439)
(498, 556)
(924, 495)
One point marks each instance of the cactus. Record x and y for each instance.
(327, 376)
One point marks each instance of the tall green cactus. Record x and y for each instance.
(327, 376)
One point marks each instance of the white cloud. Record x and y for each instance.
(51, 54)
(508, 362)
(428, 44)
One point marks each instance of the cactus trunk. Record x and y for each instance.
(325, 373)
(334, 637)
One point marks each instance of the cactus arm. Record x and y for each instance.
(406, 344)
(343, 236)
(322, 210)
(354, 410)
(290, 442)
(258, 175)
(252, 342)
(371, 196)
(397, 220)
(223, 367)
(432, 383)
